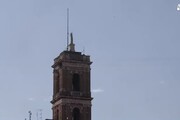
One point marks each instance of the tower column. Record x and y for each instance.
(71, 85)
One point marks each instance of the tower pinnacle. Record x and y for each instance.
(72, 45)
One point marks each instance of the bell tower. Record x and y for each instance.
(71, 85)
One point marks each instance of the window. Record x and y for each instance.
(76, 82)
(76, 114)
(56, 82)
(57, 115)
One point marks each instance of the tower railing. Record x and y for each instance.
(76, 93)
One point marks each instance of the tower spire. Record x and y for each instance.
(72, 45)
(71, 38)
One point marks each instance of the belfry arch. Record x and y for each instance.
(76, 114)
(76, 82)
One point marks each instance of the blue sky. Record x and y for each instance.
(134, 46)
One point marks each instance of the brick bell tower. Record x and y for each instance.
(71, 85)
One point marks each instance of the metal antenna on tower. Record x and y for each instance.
(30, 113)
(67, 28)
(40, 114)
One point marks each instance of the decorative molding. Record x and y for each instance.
(65, 101)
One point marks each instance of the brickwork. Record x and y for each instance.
(69, 103)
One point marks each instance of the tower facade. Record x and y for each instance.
(71, 85)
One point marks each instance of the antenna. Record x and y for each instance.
(39, 114)
(67, 28)
(30, 113)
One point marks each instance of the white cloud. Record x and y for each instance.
(97, 90)
(178, 7)
(31, 99)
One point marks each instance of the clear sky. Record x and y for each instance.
(134, 46)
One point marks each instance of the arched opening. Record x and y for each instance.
(76, 114)
(76, 82)
(57, 115)
(57, 82)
